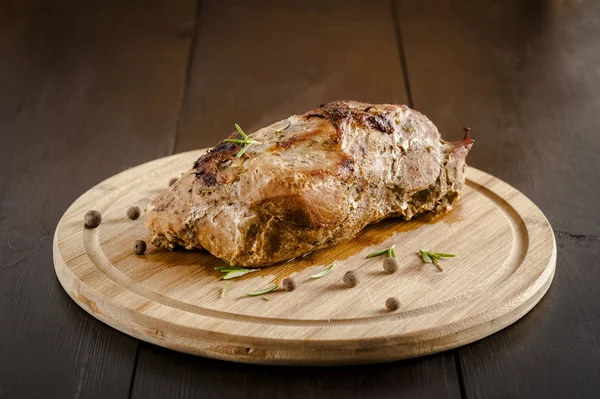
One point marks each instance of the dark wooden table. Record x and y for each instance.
(88, 89)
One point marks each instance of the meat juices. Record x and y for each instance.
(313, 181)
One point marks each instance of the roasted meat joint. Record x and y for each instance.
(309, 182)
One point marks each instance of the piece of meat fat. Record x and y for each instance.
(315, 180)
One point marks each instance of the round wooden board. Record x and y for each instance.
(505, 261)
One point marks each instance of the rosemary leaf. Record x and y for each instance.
(434, 257)
(240, 131)
(246, 141)
(230, 272)
(243, 150)
(224, 290)
(283, 128)
(229, 268)
(323, 273)
(392, 252)
(389, 251)
(237, 273)
(425, 256)
(237, 141)
(377, 253)
(262, 292)
(441, 255)
(266, 298)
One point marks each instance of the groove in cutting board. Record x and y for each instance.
(505, 260)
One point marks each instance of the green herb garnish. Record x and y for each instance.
(262, 292)
(266, 298)
(434, 257)
(323, 273)
(283, 128)
(233, 272)
(247, 141)
(390, 251)
(224, 290)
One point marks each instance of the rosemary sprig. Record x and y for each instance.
(224, 290)
(390, 251)
(323, 273)
(233, 272)
(284, 128)
(262, 292)
(434, 257)
(247, 141)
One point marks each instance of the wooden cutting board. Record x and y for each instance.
(505, 260)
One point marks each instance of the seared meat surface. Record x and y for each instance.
(313, 181)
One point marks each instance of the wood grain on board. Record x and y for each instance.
(524, 76)
(175, 298)
(87, 91)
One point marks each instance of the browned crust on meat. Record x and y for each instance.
(339, 112)
(206, 168)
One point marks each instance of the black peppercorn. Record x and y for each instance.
(92, 218)
(350, 279)
(133, 212)
(288, 284)
(391, 265)
(392, 303)
(173, 181)
(139, 247)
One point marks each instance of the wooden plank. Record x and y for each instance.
(528, 93)
(552, 351)
(163, 373)
(87, 90)
(260, 62)
(252, 65)
(524, 76)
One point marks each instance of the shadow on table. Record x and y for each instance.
(161, 373)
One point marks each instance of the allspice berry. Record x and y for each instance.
(173, 181)
(391, 265)
(92, 219)
(350, 279)
(133, 212)
(139, 247)
(392, 303)
(288, 284)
